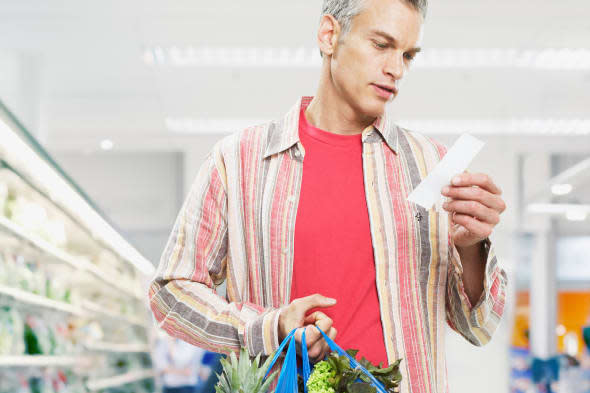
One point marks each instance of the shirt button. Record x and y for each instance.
(291, 198)
(285, 250)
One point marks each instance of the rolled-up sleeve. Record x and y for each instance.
(478, 322)
(182, 294)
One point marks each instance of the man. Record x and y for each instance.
(307, 220)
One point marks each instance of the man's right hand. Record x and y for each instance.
(294, 316)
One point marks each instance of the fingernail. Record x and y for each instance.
(330, 301)
(457, 180)
(445, 205)
(446, 190)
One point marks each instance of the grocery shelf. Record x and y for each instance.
(30, 298)
(90, 306)
(55, 253)
(21, 151)
(111, 280)
(114, 347)
(41, 361)
(104, 273)
(133, 376)
(39, 244)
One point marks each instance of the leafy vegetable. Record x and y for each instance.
(334, 375)
(322, 379)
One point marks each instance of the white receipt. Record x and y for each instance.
(457, 159)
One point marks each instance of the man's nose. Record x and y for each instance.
(395, 66)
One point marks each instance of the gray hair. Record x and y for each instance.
(345, 10)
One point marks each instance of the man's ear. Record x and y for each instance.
(328, 34)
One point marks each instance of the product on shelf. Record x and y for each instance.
(33, 218)
(35, 381)
(11, 332)
(3, 196)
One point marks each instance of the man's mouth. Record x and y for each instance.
(385, 91)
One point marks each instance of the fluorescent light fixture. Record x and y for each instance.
(572, 59)
(232, 57)
(561, 189)
(525, 126)
(572, 212)
(188, 125)
(208, 126)
(106, 144)
(560, 330)
(22, 157)
(576, 215)
(571, 176)
(543, 59)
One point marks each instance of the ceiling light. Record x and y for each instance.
(515, 126)
(232, 57)
(430, 58)
(573, 212)
(106, 144)
(576, 215)
(189, 125)
(544, 59)
(208, 126)
(561, 189)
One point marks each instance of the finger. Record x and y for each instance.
(313, 301)
(332, 334)
(473, 209)
(316, 350)
(325, 325)
(321, 347)
(299, 334)
(477, 228)
(476, 179)
(480, 195)
(323, 322)
(314, 317)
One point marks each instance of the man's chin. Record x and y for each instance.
(376, 109)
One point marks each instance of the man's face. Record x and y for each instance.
(370, 60)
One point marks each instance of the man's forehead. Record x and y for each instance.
(395, 18)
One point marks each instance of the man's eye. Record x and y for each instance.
(409, 56)
(380, 45)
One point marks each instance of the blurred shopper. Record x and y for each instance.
(310, 211)
(178, 364)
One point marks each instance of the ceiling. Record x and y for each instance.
(87, 73)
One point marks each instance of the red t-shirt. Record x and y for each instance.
(333, 247)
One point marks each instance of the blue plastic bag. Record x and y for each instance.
(287, 382)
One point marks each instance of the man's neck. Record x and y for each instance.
(329, 113)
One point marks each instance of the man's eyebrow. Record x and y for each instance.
(392, 39)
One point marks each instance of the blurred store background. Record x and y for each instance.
(128, 97)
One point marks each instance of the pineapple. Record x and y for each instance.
(244, 375)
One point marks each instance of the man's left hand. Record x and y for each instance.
(474, 207)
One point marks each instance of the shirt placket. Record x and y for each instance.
(296, 153)
(370, 147)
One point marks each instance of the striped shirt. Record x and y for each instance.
(237, 224)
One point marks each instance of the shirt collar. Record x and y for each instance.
(284, 133)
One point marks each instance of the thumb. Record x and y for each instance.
(316, 300)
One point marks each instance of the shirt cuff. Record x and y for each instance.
(261, 335)
(480, 312)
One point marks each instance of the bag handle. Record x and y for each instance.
(353, 362)
(305, 361)
(288, 376)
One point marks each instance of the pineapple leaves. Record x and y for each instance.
(244, 375)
